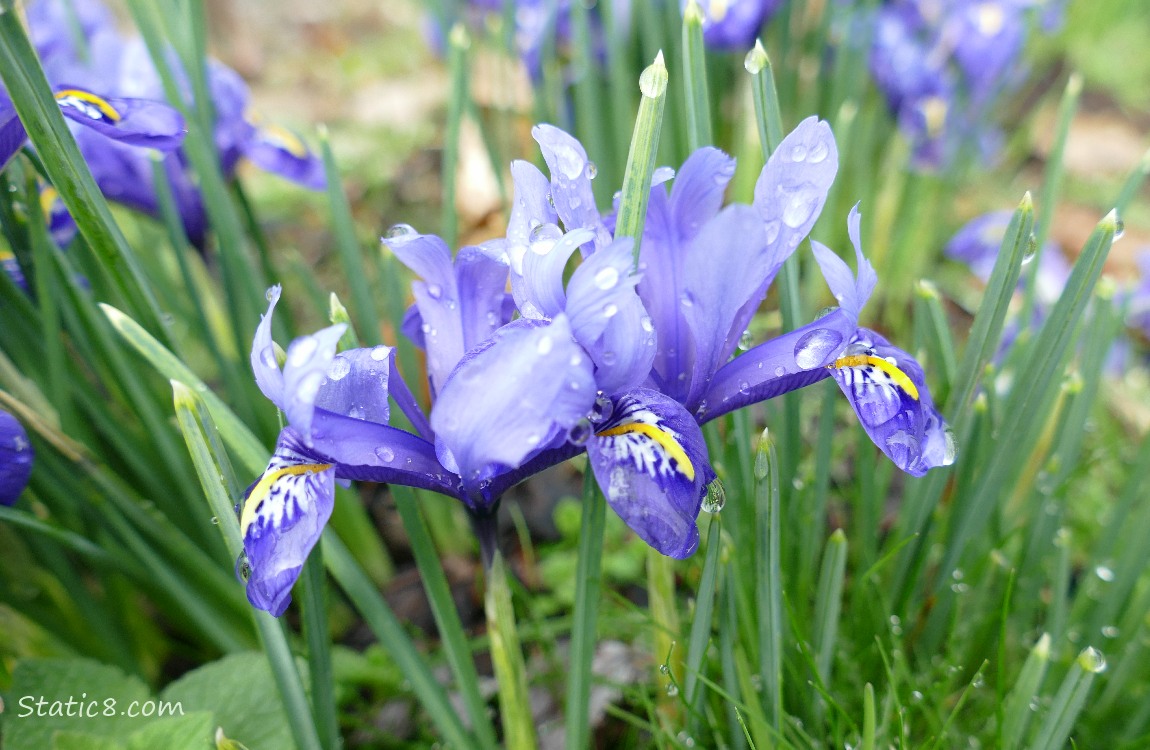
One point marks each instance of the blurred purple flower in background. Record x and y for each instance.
(123, 68)
(943, 66)
(733, 25)
(15, 458)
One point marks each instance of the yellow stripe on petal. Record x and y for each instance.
(284, 139)
(900, 378)
(263, 487)
(662, 438)
(78, 98)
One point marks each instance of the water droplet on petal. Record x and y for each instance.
(385, 454)
(716, 497)
(825, 311)
(813, 348)
(800, 206)
(799, 152)
(610, 310)
(591, 170)
(400, 230)
(301, 351)
(601, 409)
(646, 324)
(580, 432)
(268, 357)
(435, 291)
(270, 294)
(606, 278)
(746, 341)
(339, 368)
(379, 353)
(533, 439)
(780, 371)
(545, 344)
(772, 228)
(818, 153)
(544, 237)
(950, 453)
(608, 358)
(570, 163)
(243, 567)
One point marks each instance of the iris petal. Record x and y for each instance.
(280, 151)
(137, 122)
(651, 462)
(281, 520)
(723, 270)
(571, 182)
(15, 458)
(437, 297)
(267, 371)
(887, 389)
(309, 358)
(509, 399)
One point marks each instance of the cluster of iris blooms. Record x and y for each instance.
(624, 361)
(113, 95)
(941, 65)
(113, 98)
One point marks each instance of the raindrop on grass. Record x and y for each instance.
(1031, 249)
(1092, 660)
(1104, 573)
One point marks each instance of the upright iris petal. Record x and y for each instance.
(15, 458)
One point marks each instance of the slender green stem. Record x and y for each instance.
(446, 616)
(365, 597)
(313, 606)
(769, 593)
(350, 253)
(507, 658)
(588, 581)
(700, 636)
(695, 78)
(458, 42)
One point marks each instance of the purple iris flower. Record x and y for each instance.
(885, 386)
(123, 68)
(15, 458)
(1139, 314)
(494, 420)
(130, 121)
(733, 25)
(942, 67)
(538, 24)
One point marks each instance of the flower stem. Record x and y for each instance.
(507, 657)
(588, 578)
